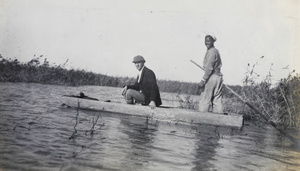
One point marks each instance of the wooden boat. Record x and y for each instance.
(168, 114)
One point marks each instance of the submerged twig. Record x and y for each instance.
(93, 126)
(75, 130)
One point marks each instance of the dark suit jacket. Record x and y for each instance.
(148, 86)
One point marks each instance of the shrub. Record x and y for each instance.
(288, 101)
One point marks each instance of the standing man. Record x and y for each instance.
(145, 89)
(212, 80)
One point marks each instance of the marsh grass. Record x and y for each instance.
(187, 102)
(35, 71)
(288, 101)
(279, 102)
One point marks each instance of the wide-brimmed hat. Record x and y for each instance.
(138, 59)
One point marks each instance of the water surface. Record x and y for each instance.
(38, 133)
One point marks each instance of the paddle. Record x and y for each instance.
(257, 111)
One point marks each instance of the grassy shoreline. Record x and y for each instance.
(280, 103)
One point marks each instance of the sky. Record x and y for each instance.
(103, 36)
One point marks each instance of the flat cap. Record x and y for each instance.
(138, 59)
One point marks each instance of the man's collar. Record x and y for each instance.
(211, 47)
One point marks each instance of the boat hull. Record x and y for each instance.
(169, 114)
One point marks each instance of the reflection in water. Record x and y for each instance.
(141, 135)
(206, 142)
(253, 149)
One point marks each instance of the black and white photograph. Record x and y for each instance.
(149, 85)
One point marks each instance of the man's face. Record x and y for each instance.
(209, 42)
(139, 65)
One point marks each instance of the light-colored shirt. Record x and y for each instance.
(212, 63)
(140, 74)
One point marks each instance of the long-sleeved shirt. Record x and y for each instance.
(212, 63)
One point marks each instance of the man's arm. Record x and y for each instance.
(151, 85)
(135, 86)
(209, 65)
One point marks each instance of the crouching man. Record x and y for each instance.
(145, 89)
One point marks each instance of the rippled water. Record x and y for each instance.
(37, 133)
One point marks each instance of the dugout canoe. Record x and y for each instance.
(169, 114)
